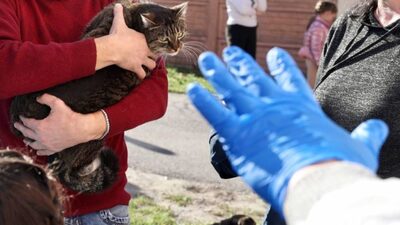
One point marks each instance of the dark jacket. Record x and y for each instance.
(219, 160)
(359, 79)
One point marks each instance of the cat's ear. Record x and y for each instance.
(181, 9)
(148, 19)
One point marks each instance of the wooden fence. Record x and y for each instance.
(283, 25)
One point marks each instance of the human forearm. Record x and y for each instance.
(63, 128)
(105, 52)
(124, 47)
(145, 103)
(311, 184)
(342, 193)
(27, 67)
(317, 44)
(95, 125)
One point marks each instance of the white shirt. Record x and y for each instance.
(343, 194)
(244, 12)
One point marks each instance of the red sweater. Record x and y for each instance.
(39, 48)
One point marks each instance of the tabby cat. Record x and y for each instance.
(92, 167)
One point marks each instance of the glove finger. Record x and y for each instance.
(248, 72)
(235, 96)
(372, 133)
(219, 117)
(287, 74)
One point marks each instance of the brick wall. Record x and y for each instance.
(282, 25)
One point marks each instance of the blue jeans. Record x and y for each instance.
(117, 215)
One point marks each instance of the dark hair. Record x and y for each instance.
(325, 6)
(28, 194)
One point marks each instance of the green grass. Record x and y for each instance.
(144, 211)
(179, 78)
(180, 200)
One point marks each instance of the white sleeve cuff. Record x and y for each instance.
(314, 184)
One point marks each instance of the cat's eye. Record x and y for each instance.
(181, 35)
(163, 40)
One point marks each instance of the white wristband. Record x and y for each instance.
(107, 124)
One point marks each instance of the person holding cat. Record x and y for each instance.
(241, 26)
(40, 48)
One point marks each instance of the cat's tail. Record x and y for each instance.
(97, 176)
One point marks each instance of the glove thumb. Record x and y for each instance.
(372, 133)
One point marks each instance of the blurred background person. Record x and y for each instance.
(242, 24)
(315, 36)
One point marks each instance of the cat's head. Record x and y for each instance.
(164, 27)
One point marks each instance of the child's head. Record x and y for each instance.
(28, 194)
(327, 10)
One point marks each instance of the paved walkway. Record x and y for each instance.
(176, 146)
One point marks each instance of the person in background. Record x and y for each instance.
(287, 150)
(28, 193)
(40, 48)
(242, 23)
(358, 74)
(315, 36)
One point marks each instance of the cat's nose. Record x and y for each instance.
(177, 47)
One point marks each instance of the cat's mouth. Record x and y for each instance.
(168, 52)
(174, 53)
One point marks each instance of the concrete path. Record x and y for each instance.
(176, 146)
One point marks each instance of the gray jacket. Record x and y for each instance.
(359, 79)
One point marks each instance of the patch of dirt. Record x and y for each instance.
(208, 203)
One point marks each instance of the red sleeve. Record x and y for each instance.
(27, 67)
(145, 103)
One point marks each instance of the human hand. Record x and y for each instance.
(61, 129)
(274, 127)
(127, 48)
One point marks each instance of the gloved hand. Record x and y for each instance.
(274, 127)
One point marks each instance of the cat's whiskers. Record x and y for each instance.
(163, 56)
(188, 57)
(191, 50)
(197, 44)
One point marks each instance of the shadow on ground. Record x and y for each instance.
(149, 146)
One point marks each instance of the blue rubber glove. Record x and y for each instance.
(274, 127)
